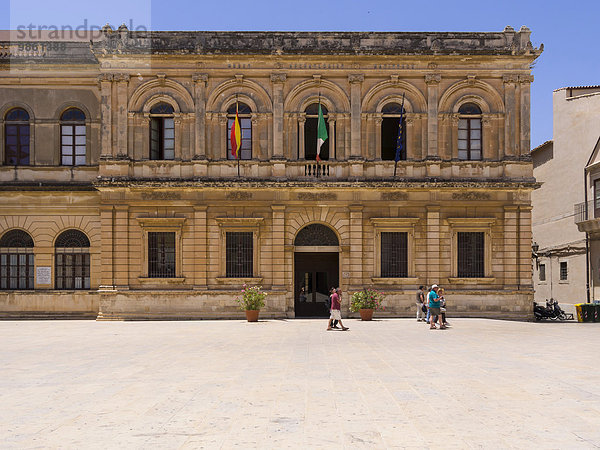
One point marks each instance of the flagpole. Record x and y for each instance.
(237, 153)
(317, 156)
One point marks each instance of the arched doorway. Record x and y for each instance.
(316, 269)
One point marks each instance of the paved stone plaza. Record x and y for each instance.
(290, 384)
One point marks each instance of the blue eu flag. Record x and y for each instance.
(399, 141)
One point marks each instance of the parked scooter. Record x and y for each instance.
(551, 311)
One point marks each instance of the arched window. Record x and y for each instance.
(72, 138)
(310, 133)
(162, 131)
(389, 132)
(316, 234)
(16, 260)
(245, 118)
(469, 132)
(16, 137)
(72, 256)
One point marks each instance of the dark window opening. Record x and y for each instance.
(72, 261)
(16, 137)
(389, 139)
(542, 272)
(564, 272)
(394, 255)
(161, 255)
(72, 138)
(471, 255)
(162, 132)
(245, 119)
(239, 254)
(469, 132)
(310, 133)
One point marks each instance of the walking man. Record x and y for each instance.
(336, 313)
(420, 301)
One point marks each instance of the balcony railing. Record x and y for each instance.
(585, 211)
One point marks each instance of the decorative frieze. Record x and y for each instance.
(238, 195)
(394, 196)
(471, 196)
(313, 196)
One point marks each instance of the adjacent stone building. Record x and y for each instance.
(119, 196)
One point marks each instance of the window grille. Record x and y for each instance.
(564, 272)
(471, 255)
(16, 260)
(161, 255)
(316, 234)
(239, 254)
(72, 261)
(394, 255)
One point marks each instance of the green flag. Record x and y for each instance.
(321, 133)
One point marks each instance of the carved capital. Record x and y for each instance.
(239, 78)
(525, 78)
(471, 79)
(254, 118)
(121, 77)
(356, 78)
(301, 118)
(378, 120)
(454, 118)
(200, 78)
(331, 117)
(486, 121)
(510, 78)
(223, 119)
(162, 77)
(278, 77)
(105, 77)
(395, 79)
(433, 78)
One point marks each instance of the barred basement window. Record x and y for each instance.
(239, 255)
(394, 255)
(161, 255)
(542, 272)
(564, 272)
(72, 261)
(471, 255)
(16, 260)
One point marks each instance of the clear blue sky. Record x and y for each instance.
(569, 30)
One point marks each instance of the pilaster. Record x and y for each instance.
(355, 114)
(121, 247)
(105, 81)
(433, 244)
(278, 247)
(200, 247)
(278, 80)
(510, 247)
(433, 81)
(200, 80)
(356, 246)
(122, 81)
(510, 137)
(525, 83)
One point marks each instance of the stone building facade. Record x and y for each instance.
(119, 197)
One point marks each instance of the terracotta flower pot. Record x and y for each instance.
(252, 315)
(366, 314)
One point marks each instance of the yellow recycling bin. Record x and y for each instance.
(579, 312)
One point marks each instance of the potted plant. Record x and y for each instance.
(366, 302)
(251, 300)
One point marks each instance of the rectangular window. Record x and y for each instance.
(161, 255)
(394, 255)
(564, 271)
(16, 271)
(239, 254)
(162, 138)
(72, 270)
(542, 272)
(470, 254)
(246, 129)
(596, 200)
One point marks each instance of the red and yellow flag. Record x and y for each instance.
(236, 136)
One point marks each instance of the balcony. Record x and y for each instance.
(587, 217)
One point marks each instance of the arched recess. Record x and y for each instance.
(73, 104)
(256, 96)
(316, 234)
(307, 92)
(383, 92)
(12, 105)
(487, 97)
(161, 87)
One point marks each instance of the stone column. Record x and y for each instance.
(433, 81)
(356, 247)
(454, 118)
(347, 136)
(105, 81)
(510, 115)
(200, 248)
(200, 80)
(301, 122)
(524, 253)
(278, 247)
(378, 123)
(355, 115)
(121, 247)
(331, 137)
(510, 247)
(411, 143)
(525, 81)
(223, 136)
(122, 82)
(433, 244)
(107, 281)
(278, 79)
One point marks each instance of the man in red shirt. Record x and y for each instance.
(336, 307)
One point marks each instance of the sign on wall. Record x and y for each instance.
(44, 275)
